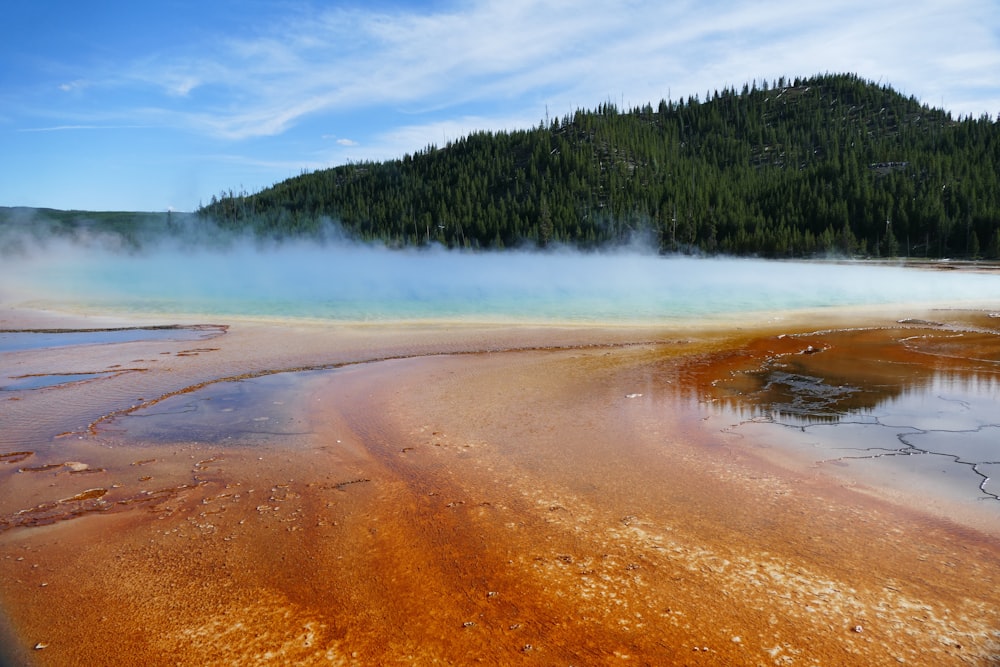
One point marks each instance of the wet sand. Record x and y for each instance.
(461, 494)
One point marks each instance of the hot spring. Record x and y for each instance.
(355, 282)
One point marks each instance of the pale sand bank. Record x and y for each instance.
(568, 498)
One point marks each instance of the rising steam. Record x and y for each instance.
(203, 270)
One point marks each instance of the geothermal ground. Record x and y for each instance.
(264, 493)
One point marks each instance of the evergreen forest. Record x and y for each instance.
(831, 164)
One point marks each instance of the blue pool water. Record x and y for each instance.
(369, 283)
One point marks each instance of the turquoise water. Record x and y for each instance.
(368, 283)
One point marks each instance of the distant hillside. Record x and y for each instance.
(21, 226)
(829, 164)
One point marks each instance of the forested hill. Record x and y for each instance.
(830, 164)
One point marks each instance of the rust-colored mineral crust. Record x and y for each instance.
(577, 501)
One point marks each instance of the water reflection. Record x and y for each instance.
(917, 402)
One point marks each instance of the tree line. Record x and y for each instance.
(831, 164)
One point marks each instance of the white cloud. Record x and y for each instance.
(70, 86)
(65, 128)
(182, 86)
(505, 50)
(396, 141)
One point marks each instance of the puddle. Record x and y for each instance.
(41, 381)
(17, 341)
(914, 406)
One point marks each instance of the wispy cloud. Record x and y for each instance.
(565, 53)
(71, 86)
(396, 141)
(568, 54)
(67, 128)
(441, 132)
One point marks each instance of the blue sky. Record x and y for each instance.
(153, 105)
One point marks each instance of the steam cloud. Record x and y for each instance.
(203, 270)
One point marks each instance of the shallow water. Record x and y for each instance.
(895, 404)
(12, 341)
(19, 383)
(242, 412)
